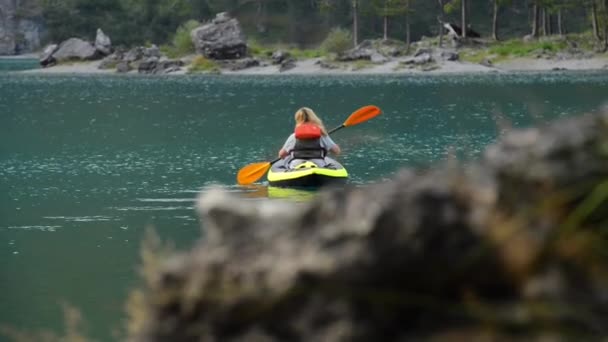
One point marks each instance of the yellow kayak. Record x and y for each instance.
(306, 173)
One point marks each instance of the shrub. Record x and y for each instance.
(257, 49)
(338, 40)
(182, 42)
(306, 53)
(203, 64)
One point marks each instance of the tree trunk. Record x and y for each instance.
(594, 21)
(385, 36)
(605, 25)
(464, 18)
(495, 21)
(260, 17)
(534, 21)
(543, 23)
(560, 29)
(407, 25)
(355, 22)
(440, 20)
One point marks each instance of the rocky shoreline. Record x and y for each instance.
(314, 67)
(220, 47)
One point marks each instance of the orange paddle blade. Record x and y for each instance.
(362, 114)
(252, 172)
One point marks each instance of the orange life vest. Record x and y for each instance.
(308, 142)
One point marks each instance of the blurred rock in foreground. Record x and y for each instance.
(512, 247)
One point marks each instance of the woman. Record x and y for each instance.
(310, 139)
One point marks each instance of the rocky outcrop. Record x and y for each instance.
(20, 31)
(146, 60)
(75, 49)
(103, 43)
(376, 51)
(511, 247)
(220, 39)
(240, 64)
(46, 57)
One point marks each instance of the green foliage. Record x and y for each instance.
(182, 42)
(389, 8)
(257, 49)
(306, 53)
(338, 40)
(519, 48)
(452, 6)
(203, 64)
(362, 64)
(294, 22)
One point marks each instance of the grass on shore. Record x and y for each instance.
(265, 51)
(518, 48)
(202, 64)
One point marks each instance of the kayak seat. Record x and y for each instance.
(306, 165)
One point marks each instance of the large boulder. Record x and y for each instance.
(511, 247)
(46, 57)
(103, 44)
(220, 39)
(75, 49)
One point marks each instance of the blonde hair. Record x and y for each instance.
(306, 114)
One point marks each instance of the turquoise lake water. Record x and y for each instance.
(88, 162)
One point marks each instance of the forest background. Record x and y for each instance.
(306, 23)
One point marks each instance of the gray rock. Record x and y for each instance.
(111, 61)
(377, 58)
(487, 62)
(20, 28)
(423, 58)
(220, 39)
(46, 57)
(423, 50)
(356, 54)
(29, 35)
(375, 48)
(404, 260)
(154, 65)
(75, 49)
(279, 56)
(134, 54)
(287, 65)
(240, 64)
(103, 44)
(327, 65)
(152, 51)
(449, 56)
(123, 67)
(147, 66)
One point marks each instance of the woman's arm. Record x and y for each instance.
(330, 145)
(289, 144)
(283, 153)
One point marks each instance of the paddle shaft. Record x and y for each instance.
(328, 133)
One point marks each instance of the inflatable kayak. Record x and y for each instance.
(306, 173)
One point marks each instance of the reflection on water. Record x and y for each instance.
(272, 192)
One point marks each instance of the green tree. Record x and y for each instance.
(496, 6)
(387, 9)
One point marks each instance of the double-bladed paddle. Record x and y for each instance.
(255, 171)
